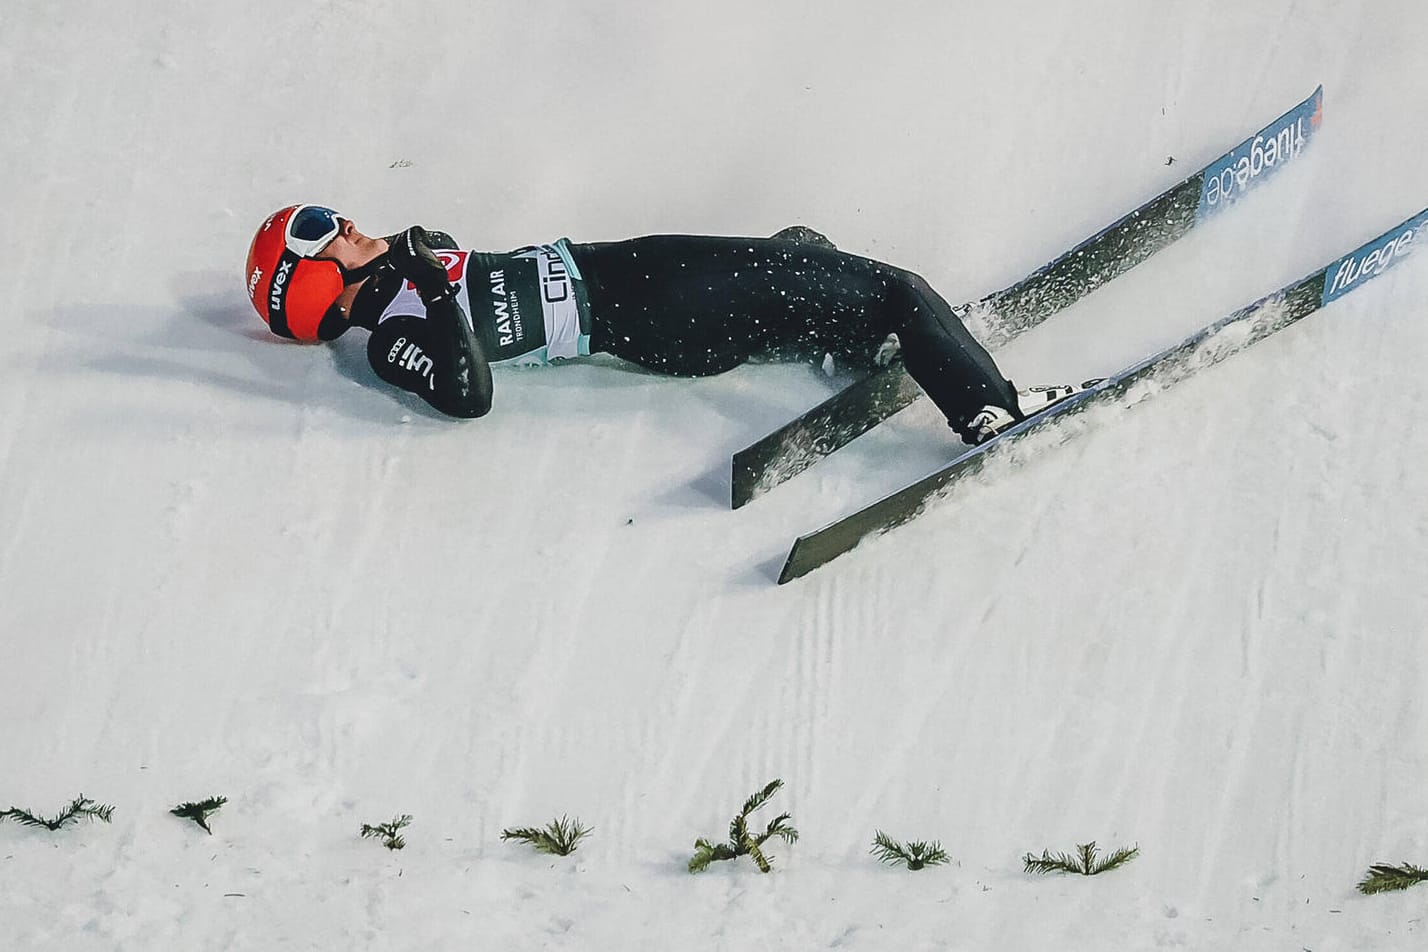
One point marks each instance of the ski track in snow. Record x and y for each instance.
(232, 566)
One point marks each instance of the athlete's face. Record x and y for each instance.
(351, 249)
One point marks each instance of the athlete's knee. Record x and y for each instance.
(804, 236)
(908, 297)
(909, 283)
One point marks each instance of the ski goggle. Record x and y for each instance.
(310, 229)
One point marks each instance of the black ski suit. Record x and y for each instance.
(694, 306)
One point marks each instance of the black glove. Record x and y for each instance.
(413, 259)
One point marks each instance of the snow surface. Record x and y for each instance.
(230, 565)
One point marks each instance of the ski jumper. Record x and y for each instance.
(690, 306)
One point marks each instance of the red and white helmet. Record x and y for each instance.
(292, 291)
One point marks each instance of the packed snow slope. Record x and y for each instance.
(235, 566)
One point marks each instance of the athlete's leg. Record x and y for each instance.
(942, 355)
(699, 305)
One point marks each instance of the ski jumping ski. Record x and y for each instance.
(1204, 348)
(1005, 314)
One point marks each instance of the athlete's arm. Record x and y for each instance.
(439, 358)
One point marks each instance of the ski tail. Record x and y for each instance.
(820, 432)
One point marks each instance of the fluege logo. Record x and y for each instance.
(1275, 145)
(1374, 263)
(1263, 154)
(1372, 260)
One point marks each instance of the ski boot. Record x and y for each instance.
(992, 420)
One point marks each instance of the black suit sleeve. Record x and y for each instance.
(438, 358)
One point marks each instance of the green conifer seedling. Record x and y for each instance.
(199, 812)
(559, 836)
(741, 841)
(1383, 878)
(81, 807)
(389, 832)
(917, 854)
(1083, 862)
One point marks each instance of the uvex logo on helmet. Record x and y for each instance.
(291, 293)
(279, 285)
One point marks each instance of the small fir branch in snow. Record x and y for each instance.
(560, 837)
(741, 841)
(81, 807)
(915, 855)
(199, 812)
(1083, 862)
(1383, 878)
(388, 832)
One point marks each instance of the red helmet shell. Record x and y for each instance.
(290, 293)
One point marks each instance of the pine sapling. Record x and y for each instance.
(915, 855)
(560, 837)
(388, 832)
(741, 841)
(81, 807)
(199, 812)
(1083, 862)
(1384, 878)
